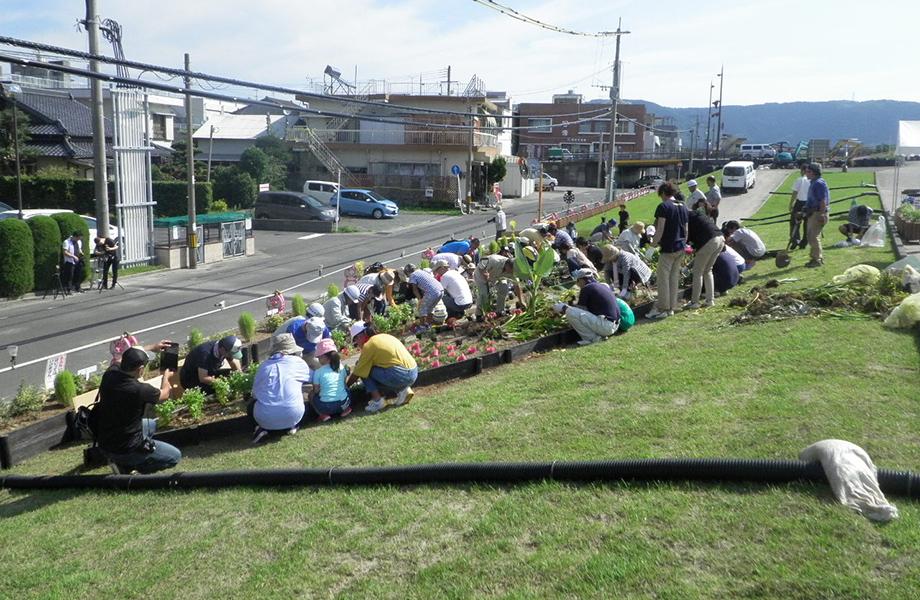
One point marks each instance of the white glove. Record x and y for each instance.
(559, 307)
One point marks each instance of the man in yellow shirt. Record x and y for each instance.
(384, 364)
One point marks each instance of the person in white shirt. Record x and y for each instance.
(72, 272)
(696, 194)
(631, 239)
(500, 220)
(713, 198)
(745, 241)
(457, 294)
(797, 211)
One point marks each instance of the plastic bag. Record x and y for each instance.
(911, 279)
(853, 478)
(862, 273)
(906, 314)
(875, 235)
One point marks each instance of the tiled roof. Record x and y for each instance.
(48, 108)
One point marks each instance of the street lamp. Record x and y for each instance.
(9, 90)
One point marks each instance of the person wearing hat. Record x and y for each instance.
(122, 432)
(361, 298)
(816, 215)
(307, 332)
(276, 302)
(696, 194)
(631, 239)
(603, 232)
(335, 313)
(385, 366)
(671, 238)
(277, 391)
(454, 261)
(713, 198)
(535, 235)
(596, 315)
(427, 290)
(624, 270)
(205, 362)
(457, 295)
(707, 242)
(384, 279)
(316, 310)
(330, 394)
(495, 273)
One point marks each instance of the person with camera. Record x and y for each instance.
(72, 270)
(107, 250)
(122, 432)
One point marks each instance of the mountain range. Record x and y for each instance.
(872, 122)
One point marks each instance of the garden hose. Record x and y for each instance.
(784, 216)
(902, 483)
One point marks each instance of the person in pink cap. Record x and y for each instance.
(330, 394)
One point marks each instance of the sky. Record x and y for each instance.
(777, 51)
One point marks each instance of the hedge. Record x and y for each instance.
(17, 267)
(67, 224)
(79, 195)
(47, 241)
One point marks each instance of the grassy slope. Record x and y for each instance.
(689, 386)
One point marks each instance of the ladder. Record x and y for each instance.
(322, 153)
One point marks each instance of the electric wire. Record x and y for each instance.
(514, 14)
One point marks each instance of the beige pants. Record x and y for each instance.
(589, 326)
(816, 223)
(668, 280)
(702, 268)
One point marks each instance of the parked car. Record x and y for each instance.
(548, 183)
(5, 207)
(47, 212)
(649, 181)
(321, 190)
(365, 203)
(292, 206)
(556, 153)
(754, 151)
(738, 175)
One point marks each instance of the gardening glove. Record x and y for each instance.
(559, 307)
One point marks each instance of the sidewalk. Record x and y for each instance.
(908, 177)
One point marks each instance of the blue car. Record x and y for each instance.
(365, 203)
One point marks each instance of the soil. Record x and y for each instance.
(49, 409)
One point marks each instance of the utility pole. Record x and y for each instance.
(100, 174)
(719, 122)
(469, 162)
(600, 158)
(210, 149)
(709, 117)
(694, 133)
(192, 229)
(614, 98)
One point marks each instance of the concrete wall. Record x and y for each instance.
(290, 225)
(574, 173)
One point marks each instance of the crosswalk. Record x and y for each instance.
(310, 236)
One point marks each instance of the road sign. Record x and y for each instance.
(54, 366)
(264, 187)
(429, 192)
(456, 170)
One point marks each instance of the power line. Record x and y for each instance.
(510, 12)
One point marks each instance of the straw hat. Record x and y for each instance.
(609, 252)
(284, 343)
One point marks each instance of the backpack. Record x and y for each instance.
(85, 422)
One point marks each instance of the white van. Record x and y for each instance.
(739, 175)
(321, 190)
(753, 151)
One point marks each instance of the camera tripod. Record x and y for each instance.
(98, 270)
(56, 285)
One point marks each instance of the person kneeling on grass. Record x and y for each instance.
(385, 366)
(122, 432)
(277, 391)
(596, 316)
(330, 394)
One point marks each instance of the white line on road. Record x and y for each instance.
(310, 236)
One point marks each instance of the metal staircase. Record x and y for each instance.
(323, 154)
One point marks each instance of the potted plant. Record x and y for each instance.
(907, 222)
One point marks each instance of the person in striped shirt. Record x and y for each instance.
(362, 296)
(427, 289)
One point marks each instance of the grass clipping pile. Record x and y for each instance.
(864, 298)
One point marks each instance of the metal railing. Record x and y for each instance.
(394, 136)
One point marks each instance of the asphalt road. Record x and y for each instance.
(166, 304)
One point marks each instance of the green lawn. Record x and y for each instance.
(690, 386)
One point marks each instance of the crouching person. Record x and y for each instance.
(330, 394)
(277, 391)
(596, 315)
(122, 432)
(385, 366)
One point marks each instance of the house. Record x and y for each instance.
(60, 130)
(224, 138)
(582, 128)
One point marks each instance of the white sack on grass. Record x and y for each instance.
(875, 235)
(853, 478)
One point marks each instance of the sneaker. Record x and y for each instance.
(709, 304)
(293, 430)
(657, 314)
(374, 406)
(116, 470)
(814, 263)
(345, 412)
(323, 418)
(260, 435)
(691, 305)
(403, 396)
(586, 342)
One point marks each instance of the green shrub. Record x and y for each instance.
(46, 243)
(221, 391)
(218, 206)
(340, 338)
(247, 324)
(67, 224)
(235, 186)
(164, 411)
(195, 338)
(28, 399)
(17, 258)
(272, 322)
(298, 305)
(193, 399)
(333, 290)
(172, 197)
(65, 388)
(424, 263)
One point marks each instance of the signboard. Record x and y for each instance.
(264, 187)
(429, 192)
(54, 366)
(248, 224)
(87, 372)
(456, 170)
(271, 311)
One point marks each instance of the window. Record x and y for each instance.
(540, 125)
(624, 126)
(602, 125)
(159, 126)
(585, 126)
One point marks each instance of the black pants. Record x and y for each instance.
(72, 275)
(110, 263)
(797, 223)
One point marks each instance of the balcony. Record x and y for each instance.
(397, 136)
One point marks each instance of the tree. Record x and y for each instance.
(256, 163)
(235, 187)
(177, 165)
(498, 168)
(7, 145)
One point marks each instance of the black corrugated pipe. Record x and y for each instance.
(902, 483)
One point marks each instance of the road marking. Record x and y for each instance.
(310, 236)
